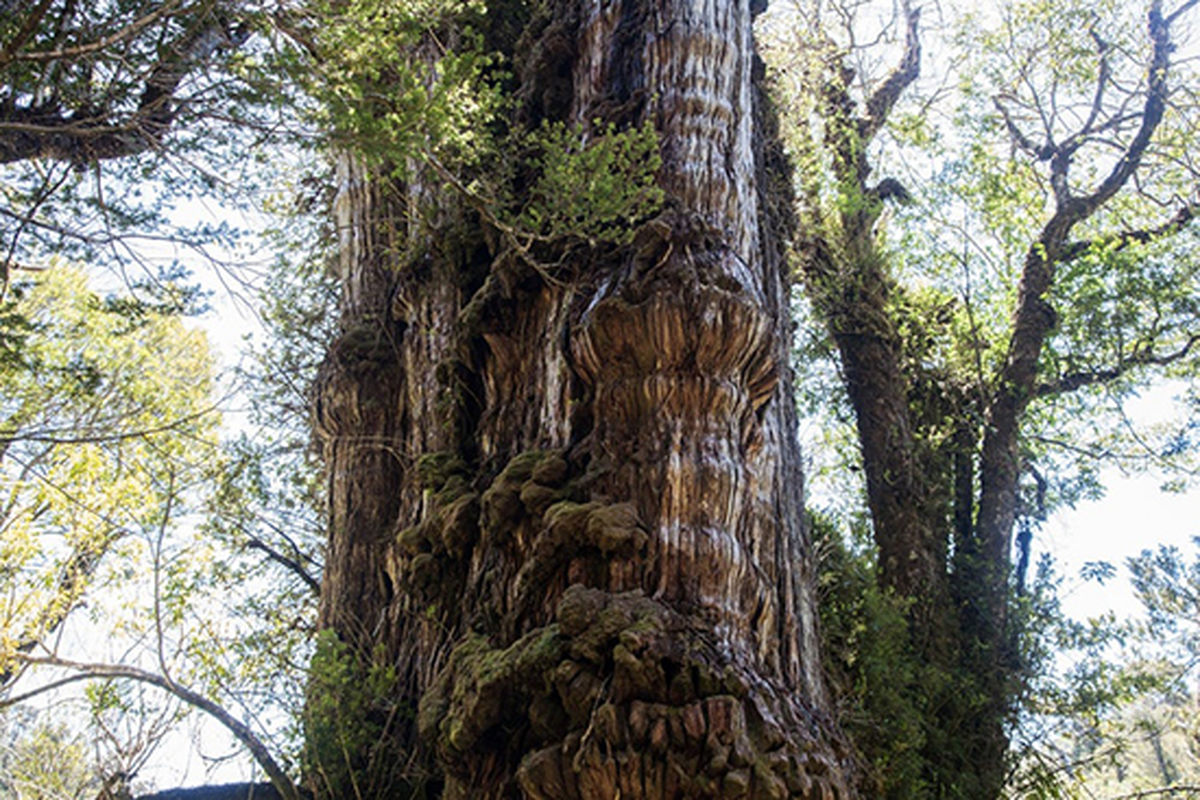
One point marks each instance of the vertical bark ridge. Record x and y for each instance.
(527, 377)
(685, 64)
(357, 414)
(794, 562)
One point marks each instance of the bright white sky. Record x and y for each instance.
(1134, 515)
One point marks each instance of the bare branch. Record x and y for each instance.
(225, 791)
(880, 104)
(1102, 47)
(1152, 114)
(48, 188)
(1183, 8)
(1023, 142)
(1076, 380)
(279, 778)
(1188, 790)
(49, 436)
(290, 564)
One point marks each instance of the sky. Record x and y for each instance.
(1133, 515)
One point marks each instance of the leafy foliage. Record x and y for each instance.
(872, 666)
(994, 305)
(1169, 589)
(416, 90)
(593, 186)
(401, 81)
(118, 119)
(1112, 707)
(107, 422)
(44, 761)
(347, 721)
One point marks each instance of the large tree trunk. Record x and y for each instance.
(568, 509)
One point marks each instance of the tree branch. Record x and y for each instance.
(35, 18)
(1165, 790)
(71, 585)
(279, 778)
(1102, 47)
(81, 135)
(1183, 8)
(290, 564)
(1077, 380)
(227, 791)
(1120, 241)
(881, 101)
(1152, 113)
(1023, 142)
(48, 435)
(127, 32)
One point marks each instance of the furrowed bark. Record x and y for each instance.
(568, 507)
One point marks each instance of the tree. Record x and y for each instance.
(567, 553)
(1158, 735)
(44, 762)
(106, 418)
(523, 317)
(109, 446)
(1041, 271)
(112, 115)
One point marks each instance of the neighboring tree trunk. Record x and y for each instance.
(567, 509)
(942, 454)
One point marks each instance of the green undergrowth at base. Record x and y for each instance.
(872, 668)
(350, 716)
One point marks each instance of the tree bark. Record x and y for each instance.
(568, 508)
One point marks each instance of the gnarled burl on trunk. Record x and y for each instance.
(567, 542)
